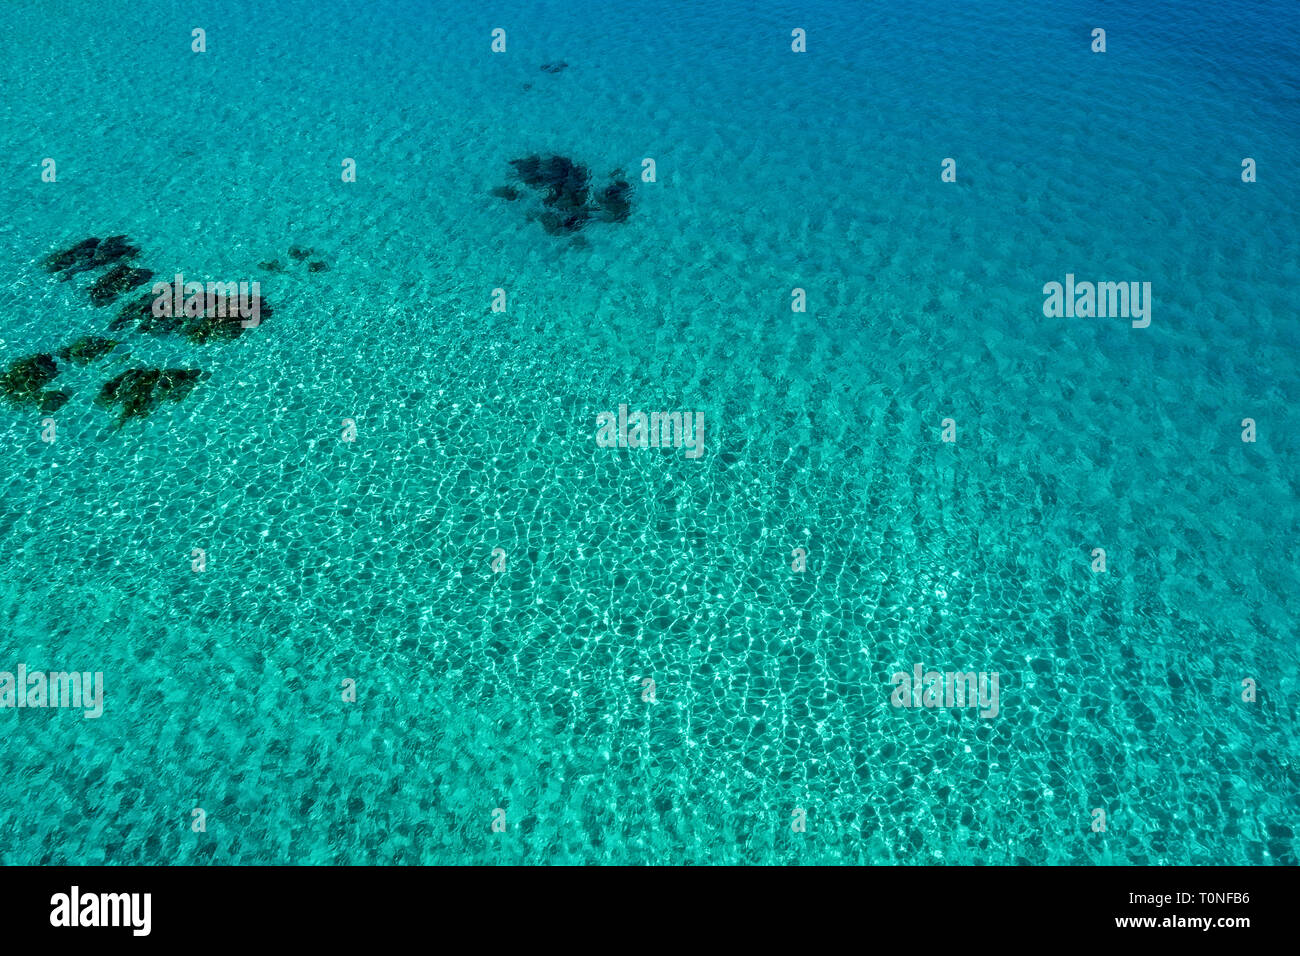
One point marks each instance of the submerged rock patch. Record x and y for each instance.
(86, 349)
(23, 382)
(119, 279)
(567, 201)
(206, 318)
(615, 202)
(65, 259)
(52, 401)
(91, 253)
(215, 311)
(300, 254)
(138, 392)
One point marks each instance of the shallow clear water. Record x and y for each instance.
(522, 690)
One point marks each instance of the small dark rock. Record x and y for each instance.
(298, 253)
(58, 261)
(86, 349)
(119, 279)
(23, 381)
(614, 201)
(139, 391)
(317, 267)
(141, 310)
(114, 248)
(90, 254)
(566, 182)
(219, 320)
(508, 193)
(52, 401)
(557, 224)
(272, 266)
(555, 67)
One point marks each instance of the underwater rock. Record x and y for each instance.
(83, 266)
(139, 391)
(176, 383)
(298, 253)
(119, 279)
(556, 224)
(116, 247)
(220, 319)
(23, 381)
(508, 193)
(141, 310)
(565, 180)
(567, 188)
(52, 401)
(90, 254)
(108, 392)
(555, 67)
(613, 201)
(567, 193)
(528, 169)
(568, 185)
(204, 329)
(86, 349)
(317, 267)
(82, 251)
(272, 266)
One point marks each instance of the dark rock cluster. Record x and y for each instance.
(24, 381)
(298, 254)
(86, 349)
(119, 279)
(89, 254)
(137, 392)
(53, 400)
(615, 201)
(94, 253)
(568, 203)
(555, 67)
(208, 326)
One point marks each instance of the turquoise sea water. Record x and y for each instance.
(522, 690)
